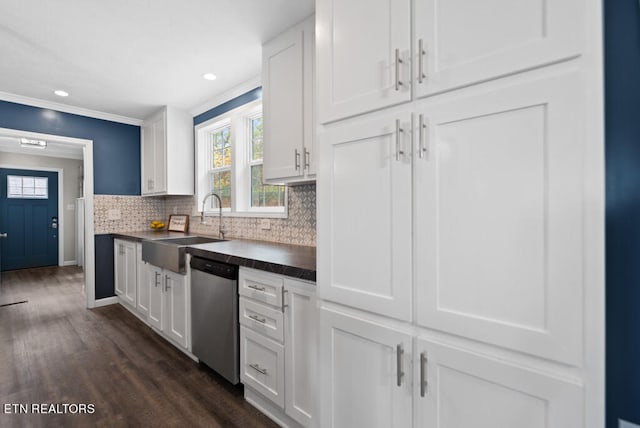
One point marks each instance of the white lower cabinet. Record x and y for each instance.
(169, 304)
(262, 362)
(366, 373)
(381, 375)
(142, 300)
(463, 388)
(125, 270)
(278, 319)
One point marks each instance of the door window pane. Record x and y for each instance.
(19, 186)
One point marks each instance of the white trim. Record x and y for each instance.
(106, 301)
(60, 197)
(89, 244)
(232, 93)
(70, 263)
(65, 108)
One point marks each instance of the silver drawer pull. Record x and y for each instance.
(257, 368)
(258, 319)
(255, 287)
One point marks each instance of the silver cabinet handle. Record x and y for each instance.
(297, 158)
(258, 319)
(399, 368)
(307, 156)
(257, 368)
(284, 305)
(255, 287)
(399, 131)
(157, 276)
(167, 286)
(421, 54)
(398, 62)
(423, 373)
(422, 148)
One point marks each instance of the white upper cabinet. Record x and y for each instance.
(459, 43)
(167, 153)
(364, 55)
(366, 200)
(499, 196)
(287, 102)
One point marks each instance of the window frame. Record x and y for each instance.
(239, 120)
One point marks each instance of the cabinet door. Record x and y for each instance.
(143, 288)
(357, 67)
(498, 219)
(465, 389)
(130, 264)
(300, 328)
(160, 154)
(468, 42)
(364, 238)
(119, 267)
(360, 381)
(147, 154)
(177, 310)
(156, 301)
(283, 104)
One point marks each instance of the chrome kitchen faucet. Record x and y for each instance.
(220, 224)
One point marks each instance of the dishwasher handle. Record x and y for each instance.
(214, 268)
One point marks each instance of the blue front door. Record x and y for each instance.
(29, 216)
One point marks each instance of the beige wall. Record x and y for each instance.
(71, 190)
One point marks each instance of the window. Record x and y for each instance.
(24, 187)
(230, 163)
(220, 164)
(261, 195)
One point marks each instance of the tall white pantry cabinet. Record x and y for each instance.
(460, 213)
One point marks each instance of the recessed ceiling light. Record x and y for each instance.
(209, 76)
(61, 93)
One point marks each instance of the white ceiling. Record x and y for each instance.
(128, 58)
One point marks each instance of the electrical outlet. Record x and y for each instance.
(265, 224)
(175, 210)
(113, 215)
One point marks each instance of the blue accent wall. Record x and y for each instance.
(622, 149)
(116, 146)
(252, 95)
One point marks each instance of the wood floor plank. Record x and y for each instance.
(54, 351)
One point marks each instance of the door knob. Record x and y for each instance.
(3, 235)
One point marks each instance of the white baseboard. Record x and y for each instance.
(69, 263)
(106, 301)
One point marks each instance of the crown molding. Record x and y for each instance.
(65, 108)
(232, 93)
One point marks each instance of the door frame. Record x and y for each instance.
(89, 244)
(60, 201)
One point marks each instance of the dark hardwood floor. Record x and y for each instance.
(54, 351)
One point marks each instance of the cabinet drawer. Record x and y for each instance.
(262, 365)
(261, 318)
(263, 286)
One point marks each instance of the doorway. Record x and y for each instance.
(29, 218)
(64, 145)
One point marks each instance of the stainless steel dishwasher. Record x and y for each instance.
(214, 316)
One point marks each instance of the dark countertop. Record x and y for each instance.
(297, 261)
